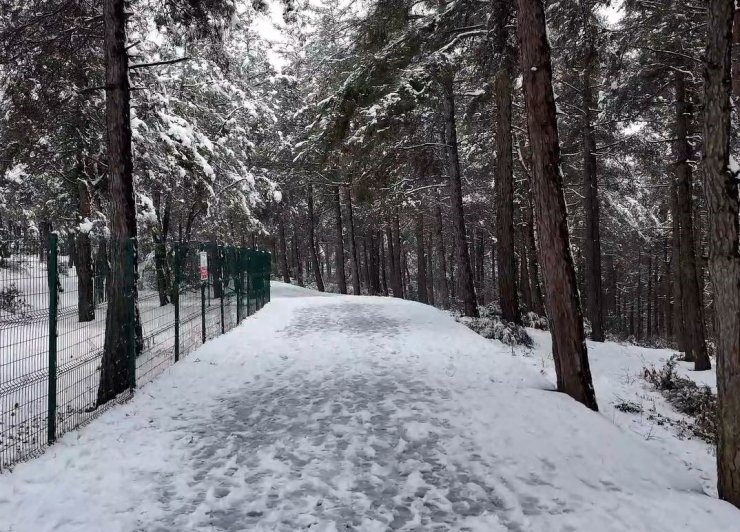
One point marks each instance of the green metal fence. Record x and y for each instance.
(54, 298)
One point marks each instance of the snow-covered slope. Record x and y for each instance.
(617, 374)
(344, 413)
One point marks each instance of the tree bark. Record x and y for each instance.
(162, 269)
(464, 272)
(339, 244)
(693, 312)
(524, 277)
(102, 271)
(480, 271)
(115, 368)
(383, 264)
(534, 270)
(354, 266)
(564, 310)
(506, 258)
(374, 264)
(650, 305)
(283, 250)
(297, 263)
(639, 293)
(421, 264)
(83, 262)
(723, 204)
(431, 277)
(677, 314)
(394, 266)
(399, 253)
(592, 237)
(443, 286)
(312, 241)
(366, 267)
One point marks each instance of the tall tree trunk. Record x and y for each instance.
(394, 265)
(399, 252)
(538, 305)
(443, 286)
(102, 271)
(454, 289)
(677, 314)
(524, 277)
(383, 264)
(592, 237)
(339, 245)
(431, 277)
(115, 367)
(421, 264)
(312, 241)
(327, 260)
(354, 266)
(691, 297)
(639, 293)
(666, 289)
(506, 258)
(480, 270)
(618, 309)
(83, 262)
(723, 204)
(283, 250)
(406, 277)
(297, 263)
(366, 267)
(464, 272)
(374, 263)
(650, 296)
(564, 309)
(161, 267)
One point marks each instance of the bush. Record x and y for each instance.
(490, 325)
(687, 397)
(535, 321)
(12, 302)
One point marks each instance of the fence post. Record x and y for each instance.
(238, 282)
(53, 281)
(248, 268)
(131, 300)
(267, 276)
(222, 285)
(203, 306)
(176, 301)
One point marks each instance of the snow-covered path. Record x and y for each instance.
(343, 413)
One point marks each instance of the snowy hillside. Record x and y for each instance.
(341, 413)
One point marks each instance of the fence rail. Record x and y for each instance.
(53, 308)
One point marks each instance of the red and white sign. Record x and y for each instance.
(203, 266)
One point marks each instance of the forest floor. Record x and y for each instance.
(369, 414)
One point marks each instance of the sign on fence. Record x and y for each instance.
(203, 266)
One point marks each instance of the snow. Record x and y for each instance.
(16, 174)
(616, 370)
(337, 413)
(733, 166)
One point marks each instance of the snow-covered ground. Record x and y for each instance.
(24, 359)
(617, 371)
(345, 413)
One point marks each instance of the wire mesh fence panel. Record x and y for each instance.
(162, 301)
(156, 311)
(190, 300)
(24, 339)
(81, 317)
